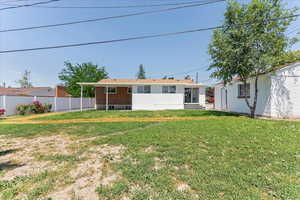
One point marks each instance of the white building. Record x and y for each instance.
(278, 94)
(148, 94)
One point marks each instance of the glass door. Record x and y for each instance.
(191, 95)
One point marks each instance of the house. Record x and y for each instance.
(278, 93)
(59, 91)
(147, 94)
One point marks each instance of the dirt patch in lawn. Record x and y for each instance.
(112, 119)
(91, 173)
(85, 172)
(21, 154)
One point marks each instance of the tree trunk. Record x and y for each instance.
(253, 106)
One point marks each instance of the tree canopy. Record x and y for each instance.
(85, 72)
(141, 74)
(250, 42)
(24, 81)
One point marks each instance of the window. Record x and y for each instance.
(111, 90)
(169, 89)
(129, 90)
(144, 89)
(242, 91)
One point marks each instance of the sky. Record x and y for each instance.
(160, 56)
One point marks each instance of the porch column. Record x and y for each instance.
(81, 94)
(106, 106)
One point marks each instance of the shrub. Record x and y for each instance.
(34, 108)
(2, 111)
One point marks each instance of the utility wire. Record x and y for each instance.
(125, 6)
(112, 41)
(131, 38)
(107, 18)
(29, 5)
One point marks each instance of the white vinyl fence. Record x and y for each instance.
(9, 103)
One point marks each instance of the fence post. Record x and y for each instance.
(55, 105)
(70, 103)
(4, 104)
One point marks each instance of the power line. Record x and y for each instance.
(112, 41)
(125, 6)
(110, 17)
(29, 5)
(131, 38)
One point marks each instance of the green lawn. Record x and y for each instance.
(225, 158)
(134, 114)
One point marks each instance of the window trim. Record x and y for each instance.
(116, 90)
(246, 95)
(168, 89)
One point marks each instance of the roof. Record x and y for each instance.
(21, 91)
(133, 82)
(280, 67)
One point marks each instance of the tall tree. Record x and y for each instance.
(251, 39)
(24, 81)
(141, 73)
(85, 72)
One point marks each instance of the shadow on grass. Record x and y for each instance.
(9, 165)
(5, 152)
(212, 113)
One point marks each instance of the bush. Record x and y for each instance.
(34, 108)
(2, 111)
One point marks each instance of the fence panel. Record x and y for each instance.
(47, 100)
(1, 102)
(9, 103)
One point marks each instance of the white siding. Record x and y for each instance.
(157, 100)
(278, 94)
(235, 104)
(286, 92)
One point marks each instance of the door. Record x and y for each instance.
(224, 99)
(191, 95)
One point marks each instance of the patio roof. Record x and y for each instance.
(137, 82)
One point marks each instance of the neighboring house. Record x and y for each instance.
(278, 94)
(59, 91)
(148, 94)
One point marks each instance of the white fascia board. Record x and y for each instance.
(137, 84)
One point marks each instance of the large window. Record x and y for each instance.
(111, 90)
(169, 89)
(144, 89)
(243, 91)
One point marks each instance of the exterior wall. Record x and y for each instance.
(60, 91)
(235, 104)
(286, 92)
(157, 100)
(120, 98)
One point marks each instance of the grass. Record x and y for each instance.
(217, 159)
(78, 129)
(134, 114)
(220, 158)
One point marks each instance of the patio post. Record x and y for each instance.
(81, 94)
(106, 106)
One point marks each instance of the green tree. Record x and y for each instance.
(24, 81)
(250, 41)
(85, 72)
(141, 73)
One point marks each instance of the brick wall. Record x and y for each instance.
(120, 98)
